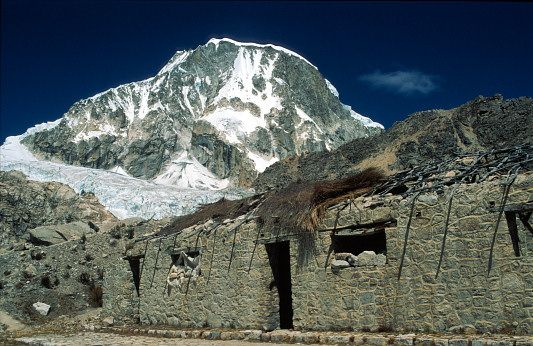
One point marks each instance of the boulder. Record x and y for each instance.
(49, 235)
(42, 308)
(108, 321)
(45, 235)
(30, 271)
(348, 257)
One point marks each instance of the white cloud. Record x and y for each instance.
(402, 82)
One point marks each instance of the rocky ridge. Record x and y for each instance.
(484, 123)
(212, 117)
(26, 204)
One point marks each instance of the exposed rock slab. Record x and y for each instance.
(49, 235)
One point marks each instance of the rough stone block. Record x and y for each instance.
(237, 336)
(440, 342)
(367, 258)
(254, 335)
(429, 199)
(458, 342)
(377, 340)
(422, 342)
(339, 264)
(196, 334)
(381, 259)
(339, 339)
(403, 340)
(225, 335)
(265, 337)
(309, 338)
(212, 335)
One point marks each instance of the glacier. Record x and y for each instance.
(122, 195)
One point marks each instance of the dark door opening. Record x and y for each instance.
(280, 262)
(135, 270)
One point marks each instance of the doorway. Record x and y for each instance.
(135, 265)
(280, 262)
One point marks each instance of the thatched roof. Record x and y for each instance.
(218, 212)
(295, 209)
(301, 206)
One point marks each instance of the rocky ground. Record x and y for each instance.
(54, 250)
(88, 332)
(66, 276)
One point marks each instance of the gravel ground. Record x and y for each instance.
(93, 338)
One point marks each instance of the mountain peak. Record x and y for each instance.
(222, 112)
(217, 41)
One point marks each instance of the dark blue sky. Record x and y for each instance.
(387, 59)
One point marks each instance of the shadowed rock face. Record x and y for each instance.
(26, 204)
(232, 107)
(482, 124)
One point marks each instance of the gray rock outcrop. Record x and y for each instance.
(26, 204)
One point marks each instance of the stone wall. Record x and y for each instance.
(218, 298)
(368, 294)
(120, 294)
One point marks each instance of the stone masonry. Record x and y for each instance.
(365, 295)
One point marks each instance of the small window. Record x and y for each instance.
(521, 233)
(358, 243)
(362, 249)
(185, 270)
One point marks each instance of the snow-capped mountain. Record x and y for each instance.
(211, 118)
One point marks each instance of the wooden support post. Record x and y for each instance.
(513, 231)
(155, 265)
(413, 201)
(506, 189)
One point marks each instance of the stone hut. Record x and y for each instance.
(439, 248)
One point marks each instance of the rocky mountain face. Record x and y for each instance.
(26, 204)
(221, 113)
(482, 124)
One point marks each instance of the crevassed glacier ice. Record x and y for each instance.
(122, 195)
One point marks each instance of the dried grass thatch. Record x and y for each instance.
(218, 211)
(301, 206)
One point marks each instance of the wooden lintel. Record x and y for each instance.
(356, 232)
(186, 249)
(362, 228)
(128, 258)
(277, 239)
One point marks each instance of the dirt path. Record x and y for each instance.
(12, 324)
